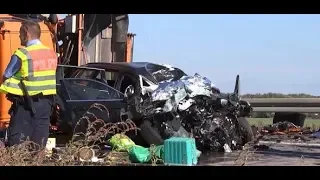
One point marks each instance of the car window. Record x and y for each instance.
(86, 73)
(111, 77)
(87, 89)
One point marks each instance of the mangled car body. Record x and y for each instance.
(193, 107)
(166, 102)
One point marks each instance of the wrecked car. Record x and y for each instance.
(193, 107)
(164, 102)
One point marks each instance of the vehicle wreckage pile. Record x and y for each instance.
(193, 107)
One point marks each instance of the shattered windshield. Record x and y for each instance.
(164, 72)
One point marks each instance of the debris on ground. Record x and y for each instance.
(261, 147)
(227, 148)
(121, 142)
(117, 158)
(87, 154)
(282, 128)
(316, 134)
(285, 131)
(153, 154)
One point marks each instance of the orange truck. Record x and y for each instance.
(78, 39)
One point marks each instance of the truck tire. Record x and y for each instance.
(295, 118)
(245, 130)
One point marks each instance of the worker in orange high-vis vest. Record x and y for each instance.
(30, 75)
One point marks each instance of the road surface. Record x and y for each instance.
(269, 153)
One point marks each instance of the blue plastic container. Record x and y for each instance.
(180, 151)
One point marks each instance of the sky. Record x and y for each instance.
(271, 53)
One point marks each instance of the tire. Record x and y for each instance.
(150, 134)
(245, 130)
(295, 118)
(135, 137)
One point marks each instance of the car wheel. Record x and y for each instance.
(245, 130)
(150, 134)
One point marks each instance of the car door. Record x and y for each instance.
(80, 94)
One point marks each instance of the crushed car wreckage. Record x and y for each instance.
(191, 106)
(162, 101)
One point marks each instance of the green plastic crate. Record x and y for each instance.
(180, 151)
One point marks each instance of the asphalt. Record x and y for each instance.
(269, 153)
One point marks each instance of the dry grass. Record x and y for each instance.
(21, 155)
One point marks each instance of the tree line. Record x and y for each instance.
(278, 95)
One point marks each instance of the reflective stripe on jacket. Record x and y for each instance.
(38, 71)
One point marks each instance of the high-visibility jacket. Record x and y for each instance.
(38, 71)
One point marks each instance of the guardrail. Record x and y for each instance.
(300, 105)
